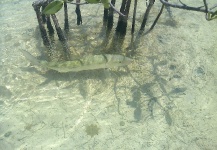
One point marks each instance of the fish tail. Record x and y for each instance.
(31, 58)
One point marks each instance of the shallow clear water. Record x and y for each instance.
(166, 99)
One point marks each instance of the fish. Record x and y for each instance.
(89, 62)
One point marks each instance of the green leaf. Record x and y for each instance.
(106, 4)
(92, 1)
(53, 7)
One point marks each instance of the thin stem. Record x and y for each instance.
(155, 21)
(66, 23)
(78, 12)
(116, 10)
(62, 38)
(183, 6)
(110, 17)
(134, 17)
(145, 18)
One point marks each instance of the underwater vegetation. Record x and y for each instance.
(92, 130)
(46, 11)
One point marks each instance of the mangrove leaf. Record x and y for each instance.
(53, 7)
(92, 1)
(105, 3)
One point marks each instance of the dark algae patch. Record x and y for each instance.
(92, 130)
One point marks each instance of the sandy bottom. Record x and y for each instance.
(166, 99)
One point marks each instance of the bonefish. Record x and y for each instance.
(89, 62)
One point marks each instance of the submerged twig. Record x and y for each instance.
(66, 22)
(110, 17)
(78, 12)
(116, 10)
(145, 18)
(62, 38)
(134, 17)
(184, 6)
(37, 6)
(122, 20)
(155, 21)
